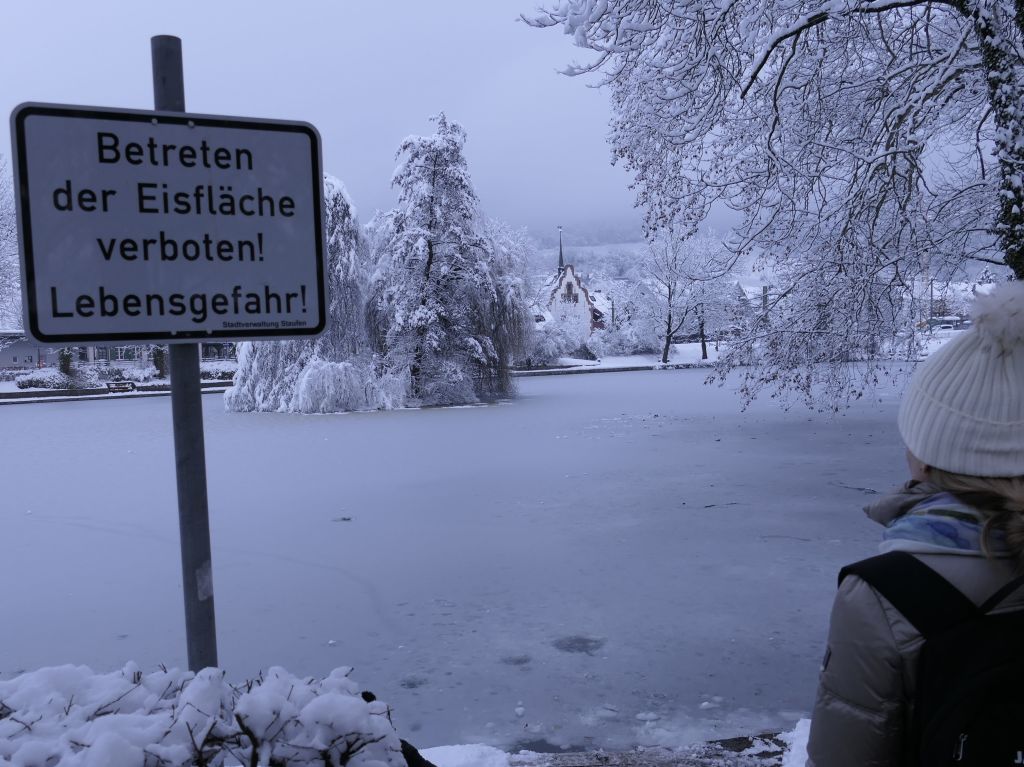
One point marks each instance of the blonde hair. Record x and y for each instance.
(1000, 499)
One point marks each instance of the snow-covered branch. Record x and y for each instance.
(866, 145)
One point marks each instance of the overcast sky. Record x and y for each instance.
(365, 73)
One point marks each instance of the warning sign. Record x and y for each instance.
(167, 226)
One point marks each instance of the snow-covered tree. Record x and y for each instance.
(270, 374)
(863, 143)
(10, 282)
(445, 310)
(678, 273)
(716, 312)
(507, 313)
(347, 277)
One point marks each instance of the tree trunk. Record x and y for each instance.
(668, 339)
(159, 357)
(416, 371)
(65, 359)
(703, 339)
(1004, 91)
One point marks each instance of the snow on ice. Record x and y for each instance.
(602, 547)
(467, 756)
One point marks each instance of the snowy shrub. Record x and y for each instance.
(71, 717)
(629, 338)
(84, 378)
(140, 375)
(218, 370)
(44, 378)
(129, 373)
(551, 341)
(597, 346)
(53, 378)
(333, 387)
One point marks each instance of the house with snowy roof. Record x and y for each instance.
(19, 351)
(566, 300)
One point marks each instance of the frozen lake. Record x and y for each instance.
(609, 560)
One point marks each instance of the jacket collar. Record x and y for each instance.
(924, 518)
(899, 502)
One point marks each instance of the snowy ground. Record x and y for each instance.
(682, 354)
(610, 560)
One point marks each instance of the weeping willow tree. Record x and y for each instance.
(328, 372)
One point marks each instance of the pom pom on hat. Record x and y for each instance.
(999, 315)
(964, 409)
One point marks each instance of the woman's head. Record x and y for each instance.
(962, 417)
(963, 412)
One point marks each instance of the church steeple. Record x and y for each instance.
(561, 257)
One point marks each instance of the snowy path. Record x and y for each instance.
(609, 560)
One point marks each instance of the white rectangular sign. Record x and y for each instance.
(158, 226)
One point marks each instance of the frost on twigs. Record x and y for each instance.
(869, 152)
(10, 282)
(68, 716)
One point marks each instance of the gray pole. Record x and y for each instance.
(187, 413)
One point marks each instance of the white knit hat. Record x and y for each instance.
(964, 409)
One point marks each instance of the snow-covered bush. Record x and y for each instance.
(128, 373)
(333, 387)
(68, 716)
(596, 346)
(44, 378)
(217, 370)
(573, 320)
(551, 341)
(627, 338)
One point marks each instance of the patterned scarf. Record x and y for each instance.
(924, 514)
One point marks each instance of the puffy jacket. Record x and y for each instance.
(868, 676)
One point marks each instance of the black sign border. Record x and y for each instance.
(24, 111)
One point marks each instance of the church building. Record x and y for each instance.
(569, 302)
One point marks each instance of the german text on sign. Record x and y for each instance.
(167, 226)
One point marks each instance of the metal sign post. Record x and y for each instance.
(187, 414)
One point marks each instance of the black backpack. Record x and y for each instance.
(968, 708)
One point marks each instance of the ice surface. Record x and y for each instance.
(605, 546)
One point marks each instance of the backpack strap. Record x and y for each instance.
(1002, 594)
(925, 598)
